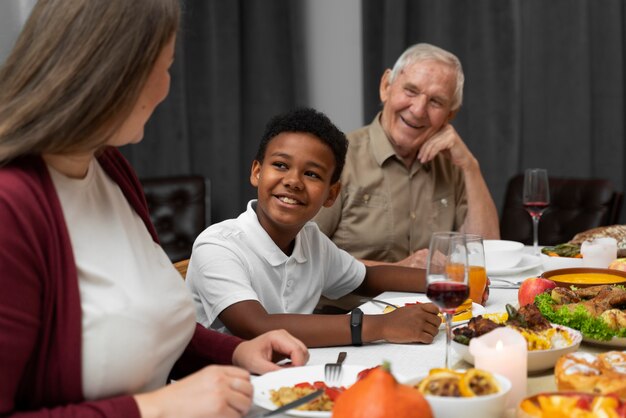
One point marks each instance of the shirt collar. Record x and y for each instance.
(382, 149)
(267, 247)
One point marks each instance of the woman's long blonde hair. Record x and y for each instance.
(76, 72)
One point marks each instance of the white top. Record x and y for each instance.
(137, 314)
(236, 260)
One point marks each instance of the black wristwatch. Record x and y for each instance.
(356, 325)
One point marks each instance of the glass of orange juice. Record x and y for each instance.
(476, 261)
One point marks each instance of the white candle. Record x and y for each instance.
(599, 252)
(503, 351)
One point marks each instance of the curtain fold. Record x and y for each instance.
(544, 79)
(238, 63)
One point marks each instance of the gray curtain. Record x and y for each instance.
(238, 62)
(545, 80)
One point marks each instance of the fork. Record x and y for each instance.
(382, 302)
(333, 371)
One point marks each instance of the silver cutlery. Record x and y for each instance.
(333, 371)
(382, 302)
(504, 284)
(293, 404)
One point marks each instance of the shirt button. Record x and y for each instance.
(412, 215)
(444, 202)
(366, 197)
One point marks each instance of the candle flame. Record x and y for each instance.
(499, 345)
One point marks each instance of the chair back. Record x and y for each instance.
(182, 266)
(178, 209)
(576, 205)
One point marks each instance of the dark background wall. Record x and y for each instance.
(544, 81)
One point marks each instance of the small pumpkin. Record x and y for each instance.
(379, 395)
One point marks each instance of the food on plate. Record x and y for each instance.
(528, 321)
(563, 250)
(571, 405)
(379, 395)
(462, 313)
(603, 373)
(599, 312)
(454, 383)
(531, 287)
(613, 231)
(618, 264)
(614, 318)
(286, 394)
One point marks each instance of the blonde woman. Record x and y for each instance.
(94, 319)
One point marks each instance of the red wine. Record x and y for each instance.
(535, 208)
(447, 295)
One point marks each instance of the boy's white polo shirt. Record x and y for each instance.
(236, 260)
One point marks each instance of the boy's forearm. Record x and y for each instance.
(317, 330)
(379, 279)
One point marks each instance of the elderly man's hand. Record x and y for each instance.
(416, 260)
(447, 141)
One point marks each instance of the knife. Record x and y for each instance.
(294, 404)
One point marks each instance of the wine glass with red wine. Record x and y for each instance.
(536, 199)
(446, 277)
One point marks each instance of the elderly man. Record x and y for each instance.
(409, 173)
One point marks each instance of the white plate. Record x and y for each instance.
(373, 308)
(555, 263)
(528, 262)
(292, 375)
(613, 342)
(538, 360)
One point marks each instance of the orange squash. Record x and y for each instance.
(379, 395)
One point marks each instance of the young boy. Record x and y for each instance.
(268, 268)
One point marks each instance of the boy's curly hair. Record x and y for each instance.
(310, 121)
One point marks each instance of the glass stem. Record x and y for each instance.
(448, 318)
(536, 235)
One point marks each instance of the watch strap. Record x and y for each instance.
(356, 326)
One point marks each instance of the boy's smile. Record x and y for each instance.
(293, 184)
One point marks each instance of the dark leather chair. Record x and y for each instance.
(178, 209)
(576, 205)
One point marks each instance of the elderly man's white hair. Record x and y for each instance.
(428, 52)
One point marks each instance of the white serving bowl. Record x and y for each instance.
(502, 254)
(538, 360)
(488, 406)
(555, 263)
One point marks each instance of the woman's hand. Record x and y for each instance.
(215, 391)
(259, 354)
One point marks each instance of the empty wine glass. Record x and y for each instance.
(536, 198)
(446, 277)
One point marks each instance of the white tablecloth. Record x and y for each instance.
(411, 360)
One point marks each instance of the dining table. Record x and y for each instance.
(410, 360)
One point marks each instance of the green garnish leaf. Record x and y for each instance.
(461, 339)
(580, 319)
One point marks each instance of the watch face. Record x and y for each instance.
(356, 322)
(356, 317)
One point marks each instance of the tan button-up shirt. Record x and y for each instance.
(386, 211)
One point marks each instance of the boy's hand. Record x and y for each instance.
(413, 323)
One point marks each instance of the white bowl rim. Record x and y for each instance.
(502, 245)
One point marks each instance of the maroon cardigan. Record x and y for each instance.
(40, 310)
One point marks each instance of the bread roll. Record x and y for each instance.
(597, 374)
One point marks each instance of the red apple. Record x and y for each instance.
(531, 287)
